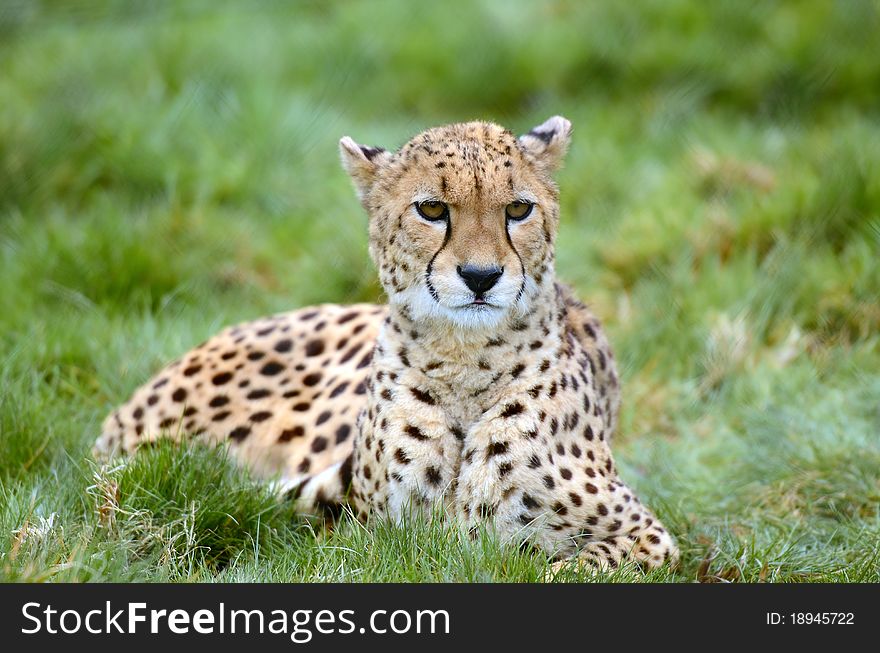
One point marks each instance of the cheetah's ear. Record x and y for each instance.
(548, 142)
(361, 162)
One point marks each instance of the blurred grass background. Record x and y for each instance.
(167, 168)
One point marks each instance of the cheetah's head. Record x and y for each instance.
(463, 218)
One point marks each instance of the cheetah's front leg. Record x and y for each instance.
(544, 472)
(406, 457)
(623, 531)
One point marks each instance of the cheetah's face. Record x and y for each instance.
(462, 218)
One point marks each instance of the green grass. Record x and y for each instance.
(167, 169)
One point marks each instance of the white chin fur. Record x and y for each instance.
(424, 308)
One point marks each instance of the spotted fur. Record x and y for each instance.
(498, 404)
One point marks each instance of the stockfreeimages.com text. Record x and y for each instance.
(299, 625)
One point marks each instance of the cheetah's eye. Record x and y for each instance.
(516, 211)
(432, 211)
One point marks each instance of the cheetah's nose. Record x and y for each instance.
(479, 279)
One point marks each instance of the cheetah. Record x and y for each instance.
(483, 387)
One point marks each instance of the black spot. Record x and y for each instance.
(415, 432)
(342, 433)
(348, 317)
(271, 368)
(319, 444)
(219, 417)
(259, 393)
(433, 476)
(219, 400)
(304, 466)
(496, 449)
(565, 473)
(365, 360)
(314, 347)
(158, 384)
(534, 461)
(361, 388)
(255, 355)
(351, 352)
(138, 413)
(323, 417)
(239, 433)
(345, 473)
(261, 416)
(179, 395)
(165, 423)
(548, 481)
(592, 489)
(222, 378)
(457, 433)
(312, 379)
(512, 409)
(529, 502)
(424, 397)
(288, 434)
(338, 390)
(517, 370)
(504, 469)
(152, 400)
(284, 346)
(302, 406)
